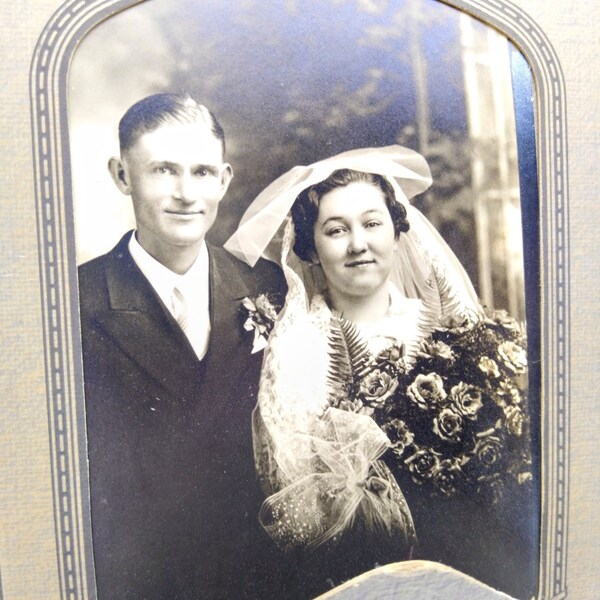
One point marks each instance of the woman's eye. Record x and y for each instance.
(335, 231)
(373, 224)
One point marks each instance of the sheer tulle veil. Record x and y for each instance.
(318, 465)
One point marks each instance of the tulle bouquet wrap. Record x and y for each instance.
(456, 417)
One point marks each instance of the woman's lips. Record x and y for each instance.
(360, 263)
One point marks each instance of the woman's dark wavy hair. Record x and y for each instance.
(305, 210)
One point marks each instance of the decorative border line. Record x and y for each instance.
(551, 138)
(66, 417)
(58, 277)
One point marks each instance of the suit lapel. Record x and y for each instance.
(143, 328)
(138, 322)
(228, 339)
(227, 289)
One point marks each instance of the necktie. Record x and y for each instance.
(180, 309)
(193, 325)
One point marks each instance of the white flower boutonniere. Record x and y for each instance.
(260, 319)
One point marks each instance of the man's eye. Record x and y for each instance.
(205, 172)
(164, 170)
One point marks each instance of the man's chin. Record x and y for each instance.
(186, 236)
(188, 242)
(173, 244)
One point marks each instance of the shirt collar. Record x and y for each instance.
(162, 279)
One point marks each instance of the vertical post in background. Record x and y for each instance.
(494, 168)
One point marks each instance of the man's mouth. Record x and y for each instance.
(185, 213)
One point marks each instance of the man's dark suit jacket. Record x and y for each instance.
(174, 499)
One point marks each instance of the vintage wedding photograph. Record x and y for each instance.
(307, 245)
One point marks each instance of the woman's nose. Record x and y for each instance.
(357, 243)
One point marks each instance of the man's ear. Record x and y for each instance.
(119, 175)
(226, 177)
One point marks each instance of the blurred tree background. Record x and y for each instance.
(295, 81)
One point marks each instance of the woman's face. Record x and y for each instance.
(355, 241)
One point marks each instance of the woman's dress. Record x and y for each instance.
(328, 541)
(333, 503)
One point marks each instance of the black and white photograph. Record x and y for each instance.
(307, 313)
(302, 288)
(299, 300)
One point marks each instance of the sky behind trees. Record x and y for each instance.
(292, 82)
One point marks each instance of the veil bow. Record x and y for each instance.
(423, 260)
(260, 230)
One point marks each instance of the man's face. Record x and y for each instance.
(176, 178)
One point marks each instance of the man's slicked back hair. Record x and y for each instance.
(151, 112)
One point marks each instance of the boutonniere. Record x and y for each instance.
(261, 314)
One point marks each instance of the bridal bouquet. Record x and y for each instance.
(457, 416)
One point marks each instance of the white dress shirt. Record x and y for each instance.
(194, 285)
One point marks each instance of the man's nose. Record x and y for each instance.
(357, 243)
(184, 188)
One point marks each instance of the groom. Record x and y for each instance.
(170, 380)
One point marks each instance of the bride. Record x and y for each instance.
(356, 256)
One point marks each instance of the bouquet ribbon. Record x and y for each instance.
(347, 479)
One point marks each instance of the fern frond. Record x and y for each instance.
(340, 367)
(429, 317)
(440, 298)
(349, 357)
(450, 301)
(358, 349)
